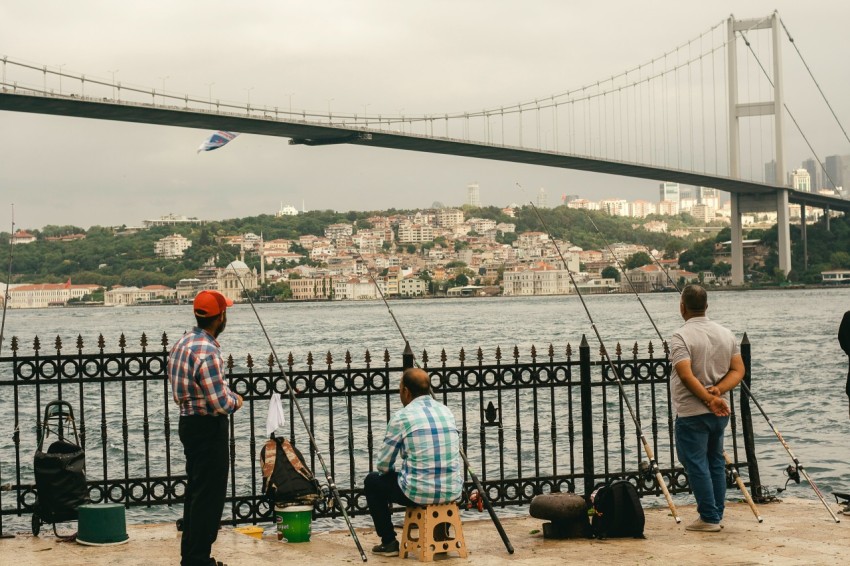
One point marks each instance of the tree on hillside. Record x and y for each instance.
(611, 272)
(638, 259)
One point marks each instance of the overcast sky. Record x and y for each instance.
(394, 56)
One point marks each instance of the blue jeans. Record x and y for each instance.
(699, 444)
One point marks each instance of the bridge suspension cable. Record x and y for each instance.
(820, 90)
(790, 114)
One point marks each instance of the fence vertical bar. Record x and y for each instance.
(747, 424)
(586, 417)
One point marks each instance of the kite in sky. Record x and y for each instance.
(217, 140)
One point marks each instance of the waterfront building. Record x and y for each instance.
(173, 220)
(172, 246)
(187, 289)
(412, 286)
(21, 237)
(312, 288)
(42, 295)
(228, 280)
(542, 279)
(150, 294)
(473, 195)
(355, 289)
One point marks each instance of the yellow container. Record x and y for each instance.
(254, 531)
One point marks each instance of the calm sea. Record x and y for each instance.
(799, 370)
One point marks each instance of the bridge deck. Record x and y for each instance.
(311, 133)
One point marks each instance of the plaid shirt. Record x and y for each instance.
(197, 378)
(425, 435)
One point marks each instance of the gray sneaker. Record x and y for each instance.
(701, 526)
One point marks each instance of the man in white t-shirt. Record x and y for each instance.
(707, 364)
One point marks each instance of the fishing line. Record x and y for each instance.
(481, 493)
(734, 470)
(799, 469)
(328, 477)
(7, 296)
(653, 465)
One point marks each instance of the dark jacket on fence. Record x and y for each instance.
(844, 340)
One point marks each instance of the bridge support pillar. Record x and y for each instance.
(737, 241)
(783, 228)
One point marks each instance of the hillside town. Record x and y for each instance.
(437, 252)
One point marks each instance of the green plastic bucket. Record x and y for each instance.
(293, 522)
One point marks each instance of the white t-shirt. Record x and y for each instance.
(710, 348)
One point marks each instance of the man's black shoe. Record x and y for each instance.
(388, 549)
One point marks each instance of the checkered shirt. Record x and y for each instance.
(425, 435)
(195, 370)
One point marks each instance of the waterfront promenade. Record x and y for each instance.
(795, 531)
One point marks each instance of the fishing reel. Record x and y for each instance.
(476, 501)
(645, 472)
(793, 473)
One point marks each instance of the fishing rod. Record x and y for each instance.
(481, 493)
(653, 465)
(7, 296)
(328, 477)
(735, 474)
(746, 388)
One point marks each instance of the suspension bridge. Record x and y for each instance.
(710, 113)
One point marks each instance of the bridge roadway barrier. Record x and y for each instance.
(795, 531)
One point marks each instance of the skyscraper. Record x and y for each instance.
(770, 173)
(669, 191)
(813, 167)
(473, 195)
(542, 200)
(835, 165)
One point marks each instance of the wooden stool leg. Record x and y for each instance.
(412, 520)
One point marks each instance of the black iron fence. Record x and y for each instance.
(530, 422)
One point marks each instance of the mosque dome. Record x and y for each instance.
(237, 265)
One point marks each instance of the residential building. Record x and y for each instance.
(702, 212)
(614, 207)
(415, 233)
(583, 204)
(335, 231)
(449, 217)
(312, 288)
(668, 208)
(21, 237)
(641, 209)
(412, 286)
(187, 289)
(482, 225)
(172, 246)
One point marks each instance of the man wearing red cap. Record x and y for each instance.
(200, 388)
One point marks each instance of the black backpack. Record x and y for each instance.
(286, 477)
(617, 511)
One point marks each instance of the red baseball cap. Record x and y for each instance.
(210, 303)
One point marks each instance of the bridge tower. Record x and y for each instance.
(752, 202)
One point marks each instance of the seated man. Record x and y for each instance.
(425, 435)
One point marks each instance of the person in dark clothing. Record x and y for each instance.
(199, 387)
(844, 340)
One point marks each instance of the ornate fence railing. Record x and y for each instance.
(530, 423)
